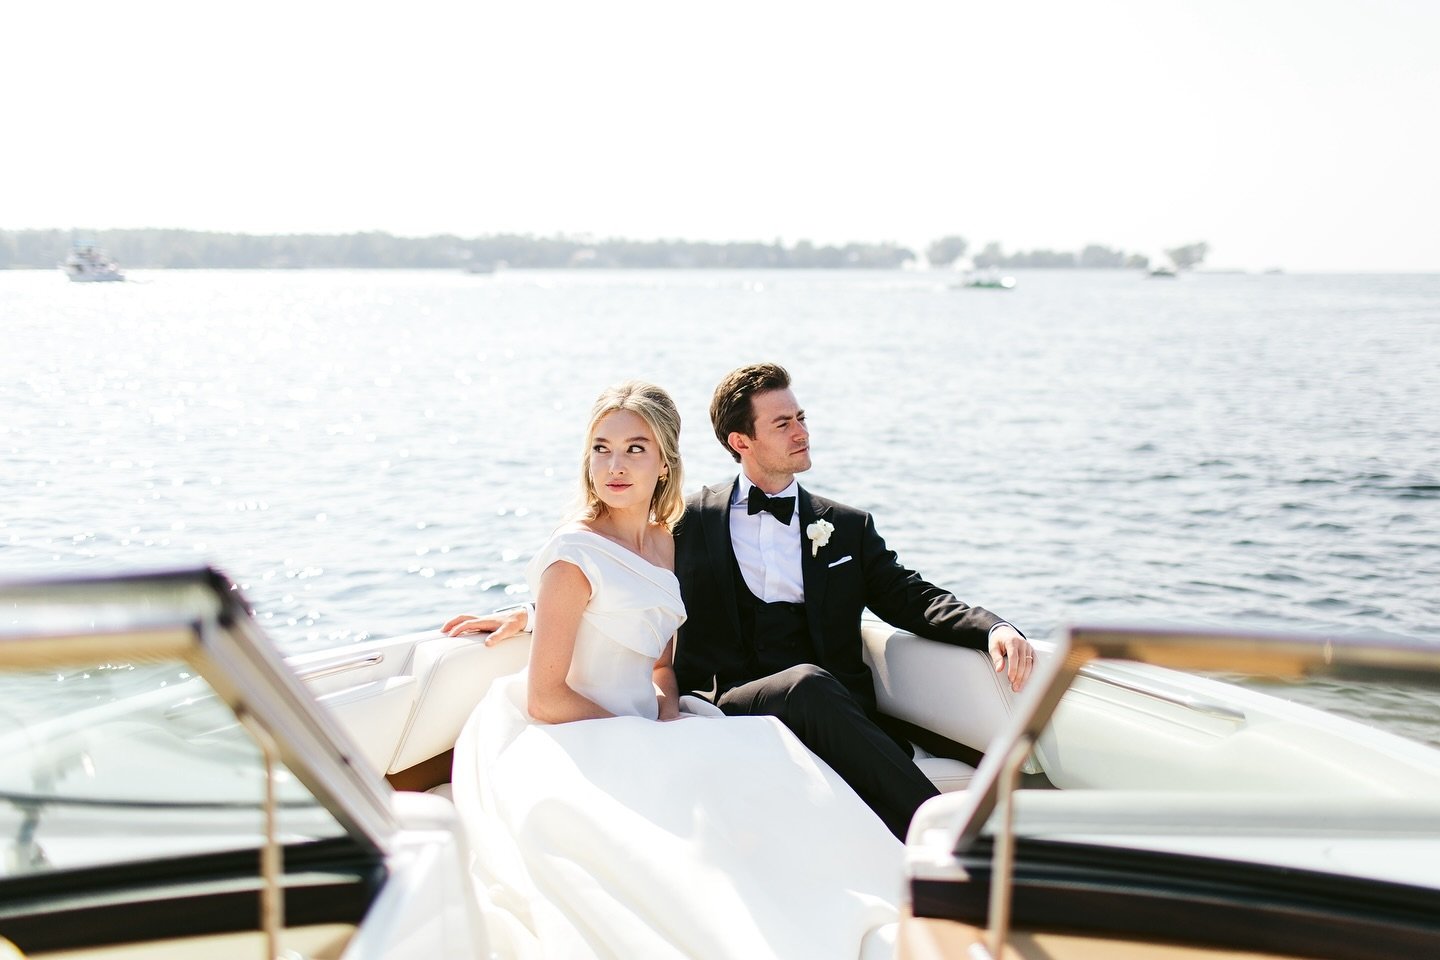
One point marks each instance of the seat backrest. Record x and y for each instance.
(374, 713)
(949, 690)
(453, 674)
(404, 699)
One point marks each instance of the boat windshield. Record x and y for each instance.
(127, 761)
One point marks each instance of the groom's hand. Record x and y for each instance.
(1012, 655)
(500, 626)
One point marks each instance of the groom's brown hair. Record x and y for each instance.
(731, 409)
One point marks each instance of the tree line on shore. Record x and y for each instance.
(949, 250)
(193, 249)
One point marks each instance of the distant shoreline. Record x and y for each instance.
(153, 248)
(932, 273)
(158, 249)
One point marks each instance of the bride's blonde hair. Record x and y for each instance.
(654, 406)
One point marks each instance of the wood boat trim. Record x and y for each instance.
(324, 882)
(1073, 888)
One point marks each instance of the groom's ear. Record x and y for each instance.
(738, 441)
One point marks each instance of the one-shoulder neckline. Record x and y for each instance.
(626, 550)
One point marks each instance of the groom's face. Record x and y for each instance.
(781, 444)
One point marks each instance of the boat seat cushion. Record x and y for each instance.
(453, 674)
(374, 713)
(947, 775)
(949, 690)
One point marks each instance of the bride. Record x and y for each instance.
(605, 820)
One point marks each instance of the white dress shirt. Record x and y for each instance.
(767, 551)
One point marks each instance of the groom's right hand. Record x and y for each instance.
(501, 626)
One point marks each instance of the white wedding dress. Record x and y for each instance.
(705, 837)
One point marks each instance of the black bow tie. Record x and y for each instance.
(781, 508)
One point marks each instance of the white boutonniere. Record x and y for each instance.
(819, 534)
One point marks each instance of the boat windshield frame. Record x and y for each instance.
(198, 618)
(986, 845)
(1281, 656)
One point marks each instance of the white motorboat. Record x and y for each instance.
(165, 772)
(88, 264)
(988, 279)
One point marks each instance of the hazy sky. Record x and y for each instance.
(1293, 133)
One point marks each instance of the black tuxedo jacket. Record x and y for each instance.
(853, 571)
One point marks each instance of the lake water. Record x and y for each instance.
(370, 452)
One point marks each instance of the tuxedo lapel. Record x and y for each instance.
(812, 571)
(715, 521)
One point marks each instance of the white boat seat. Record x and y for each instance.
(443, 790)
(947, 775)
(372, 713)
(416, 713)
(453, 674)
(952, 691)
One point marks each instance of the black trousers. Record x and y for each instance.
(832, 723)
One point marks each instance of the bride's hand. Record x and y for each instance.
(500, 626)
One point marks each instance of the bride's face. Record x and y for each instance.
(625, 461)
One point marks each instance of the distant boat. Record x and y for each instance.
(987, 279)
(486, 266)
(1163, 272)
(88, 264)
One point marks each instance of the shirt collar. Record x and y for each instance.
(742, 490)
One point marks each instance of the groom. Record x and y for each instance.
(774, 581)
